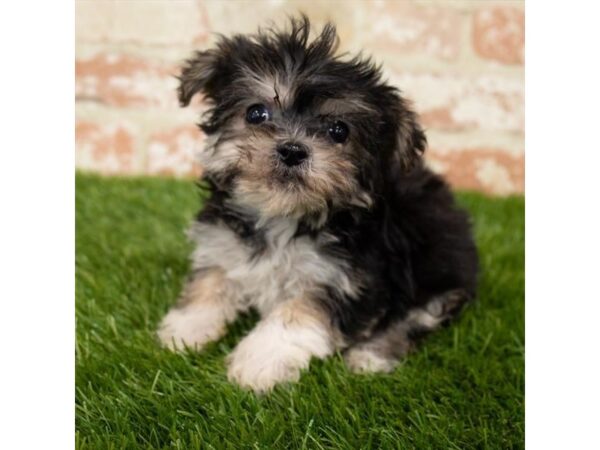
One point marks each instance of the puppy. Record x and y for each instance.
(322, 215)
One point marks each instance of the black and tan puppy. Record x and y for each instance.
(322, 215)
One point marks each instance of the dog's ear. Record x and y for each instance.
(199, 74)
(410, 140)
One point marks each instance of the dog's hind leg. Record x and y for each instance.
(384, 350)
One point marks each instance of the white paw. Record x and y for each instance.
(191, 326)
(365, 360)
(273, 353)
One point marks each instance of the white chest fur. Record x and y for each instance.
(287, 268)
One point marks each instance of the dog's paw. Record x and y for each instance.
(265, 358)
(191, 327)
(362, 359)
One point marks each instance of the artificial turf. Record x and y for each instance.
(464, 388)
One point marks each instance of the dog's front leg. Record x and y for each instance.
(205, 307)
(281, 345)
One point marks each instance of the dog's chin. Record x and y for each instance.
(289, 178)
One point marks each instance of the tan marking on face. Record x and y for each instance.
(346, 105)
(330, 177)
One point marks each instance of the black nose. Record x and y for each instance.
(292, 153)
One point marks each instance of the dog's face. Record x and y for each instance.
(294, 130)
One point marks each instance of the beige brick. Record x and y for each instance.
(94, 20)
(406, 27)
(156, 22)
(123, 80)
(492, 170)
(453, 101)
(499, 34)
(106, 148)
(98, 125)
(174, 151)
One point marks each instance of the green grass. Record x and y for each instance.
(463, 389)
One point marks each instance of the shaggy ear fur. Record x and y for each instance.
(410, 137)
(197, 75)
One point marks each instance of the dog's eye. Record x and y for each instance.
(257, 114)
(338, 131)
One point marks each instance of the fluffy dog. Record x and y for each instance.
(322, 215)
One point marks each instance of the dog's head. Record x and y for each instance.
(295, 130)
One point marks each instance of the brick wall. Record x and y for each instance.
(461, 62)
